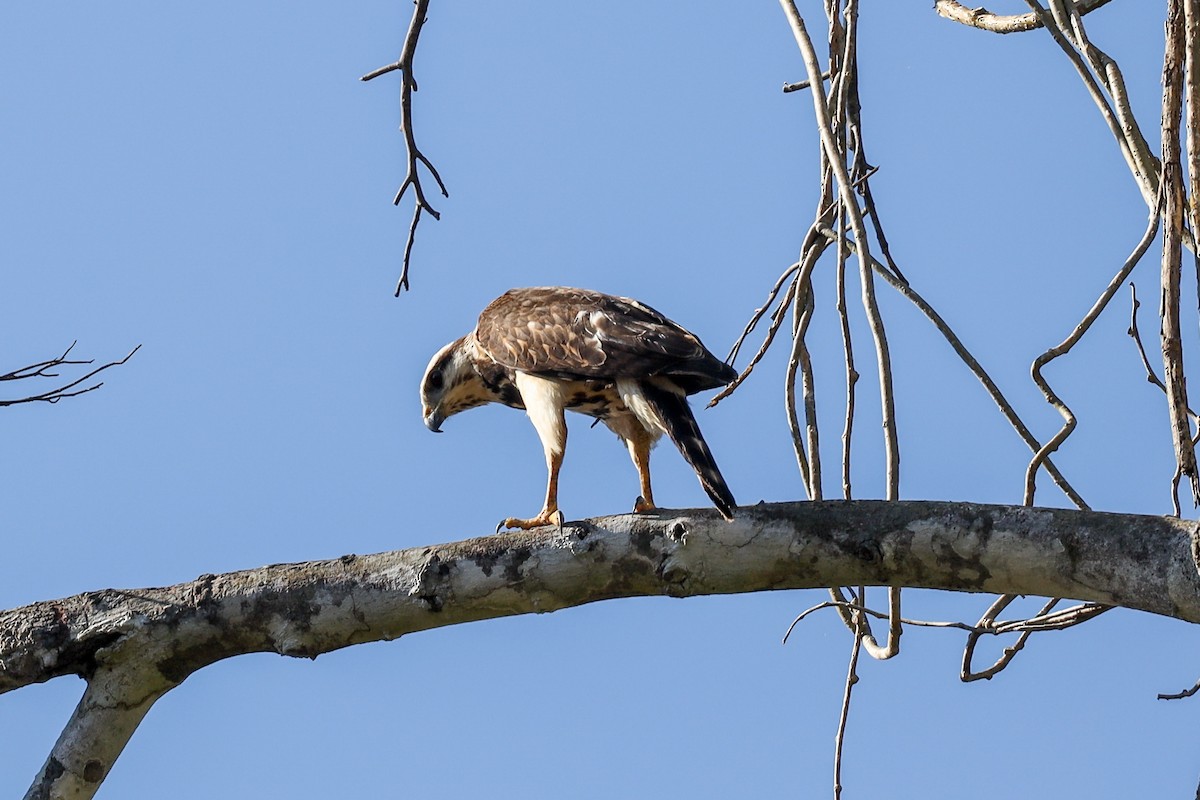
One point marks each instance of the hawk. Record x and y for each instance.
(553, 349)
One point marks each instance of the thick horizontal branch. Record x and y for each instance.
(1139, 562)
(134, 646)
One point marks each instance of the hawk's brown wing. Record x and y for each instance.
(575, 333)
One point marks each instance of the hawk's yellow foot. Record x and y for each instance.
(643, 506)
(547, 517)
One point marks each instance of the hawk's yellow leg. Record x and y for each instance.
(639, 450)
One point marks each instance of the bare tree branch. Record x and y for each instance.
(408, 85)
(1067, 344)
(49, 369)
(846, 190)
(1135, 334)
(848, 358)
(844, 715)
(810, 467)
(836, 155)
(1118, 114)
(133, 646)
(1002, 23)
(1181, 695)
(1191, 90)
(1173, 212)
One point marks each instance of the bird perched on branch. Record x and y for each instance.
(552, 349)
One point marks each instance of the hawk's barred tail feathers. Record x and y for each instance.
(677, 418)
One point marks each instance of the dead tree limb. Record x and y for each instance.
(133, 646)
(1173, 212)
(412, 178)
(985, 20)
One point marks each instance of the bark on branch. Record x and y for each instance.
(135, 645)
(1002, 23)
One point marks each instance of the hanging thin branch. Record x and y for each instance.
(1065, 347)
(1107, 89)
(1173, 230)
(845, 189)
(415, 158)
(844, 715)
(810, 467)
(993, 390)
(1191, 91)
(848, 358)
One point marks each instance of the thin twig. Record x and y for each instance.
(804, 84)
(1119, 116)
(843, 717)
(760, 312)
(1191, 89)
(874, 319)
(415, 157)
(1065, 347)
(967, 673)
(1006, 408)
(1181, 695)
(42, 369)
(848, 353)
(1044, 620)
(1056, 620)
(810, 466)
(1135, 334)
(777, 318)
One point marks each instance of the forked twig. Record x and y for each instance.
(1151, 377)
(988, 625)
(1044, 620)
(415, 158)
(43, 369)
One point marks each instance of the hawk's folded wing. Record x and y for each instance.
(574, 333)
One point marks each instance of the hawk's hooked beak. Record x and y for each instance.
(434, 420)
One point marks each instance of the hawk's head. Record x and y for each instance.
(451, 383)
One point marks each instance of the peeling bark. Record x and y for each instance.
(135, 645)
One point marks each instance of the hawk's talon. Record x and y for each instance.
(554, 517)
(641, 506)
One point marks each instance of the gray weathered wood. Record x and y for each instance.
(135, 645)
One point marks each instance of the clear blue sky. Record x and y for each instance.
(213, 182)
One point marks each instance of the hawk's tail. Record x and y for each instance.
(676, 415)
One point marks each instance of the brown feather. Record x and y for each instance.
(576, 333)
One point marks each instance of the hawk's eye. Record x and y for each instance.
(435, 382)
